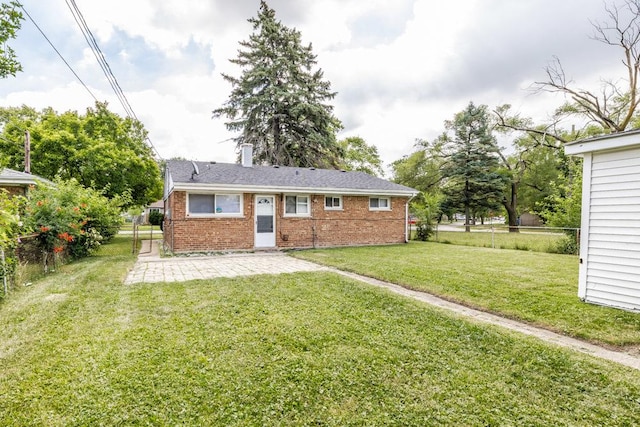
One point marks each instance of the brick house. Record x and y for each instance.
(18, 183)
(157, 206)
(222, 206)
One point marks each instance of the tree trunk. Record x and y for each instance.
(278, 156)
(511, 206)
(467, 209)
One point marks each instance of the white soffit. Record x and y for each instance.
(615, 141)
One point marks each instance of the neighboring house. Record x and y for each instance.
(18, 183)
(528, 219)
(610, 231)
(157, 206)
(222, 206)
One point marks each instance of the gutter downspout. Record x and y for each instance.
(407, 226)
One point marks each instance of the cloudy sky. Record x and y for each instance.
(400, 67)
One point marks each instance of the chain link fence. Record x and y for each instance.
(538, 239)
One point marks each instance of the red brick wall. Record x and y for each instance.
(355, 224)
(184, 234)
(15, 190)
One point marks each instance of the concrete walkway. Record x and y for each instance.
(151, 268)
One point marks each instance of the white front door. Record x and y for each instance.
(265, 222)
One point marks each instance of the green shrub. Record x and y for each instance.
(70, 219)
(10, 229)
(156, 218)
(426, 209)
(567, 245)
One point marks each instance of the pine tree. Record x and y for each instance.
(472, 181)
(279, 102)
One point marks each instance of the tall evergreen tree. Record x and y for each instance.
(472, 181)
(279, 102)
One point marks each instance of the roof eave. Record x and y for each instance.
(18, 181)
(613, 141)
(191, 186)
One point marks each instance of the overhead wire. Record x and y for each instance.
(104, 65)
(58, 52)
(106, 69)
(97, 52)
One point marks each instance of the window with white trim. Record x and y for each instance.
(214, 204)
(333, 202)
(379, 204)
(296, 205)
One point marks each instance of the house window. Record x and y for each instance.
(379, 204)
(214, 204)
(201, 204)
(228, 203)
(296, 205)
(333, 202)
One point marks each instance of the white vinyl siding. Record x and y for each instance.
(612, 258)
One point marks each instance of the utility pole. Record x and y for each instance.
(27, 152)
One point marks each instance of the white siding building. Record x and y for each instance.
(610, 238)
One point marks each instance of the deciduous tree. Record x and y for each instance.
(100, 149)
(360, 156)
(421, 169)
(10, 20)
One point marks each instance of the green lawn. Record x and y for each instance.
(129, 226)
(537, 241)
(80, 348)
(538, 288)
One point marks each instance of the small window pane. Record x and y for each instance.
(303, 205)
(379, 203)
(333, 202)
(290, 205)
(265, 224)
(227, 203)
(201, 203)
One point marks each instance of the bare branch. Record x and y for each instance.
(524, 125)
(616, 104)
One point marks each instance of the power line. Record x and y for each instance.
(58, 52)
(93, 45)
(95, 49)
(106, 69)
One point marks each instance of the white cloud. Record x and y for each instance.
(400, 67)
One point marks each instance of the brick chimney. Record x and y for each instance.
(246, 155)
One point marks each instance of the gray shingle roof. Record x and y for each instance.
(13, 177)
(280, 177)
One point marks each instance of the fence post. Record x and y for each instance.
(134, 231)
(4, 271)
